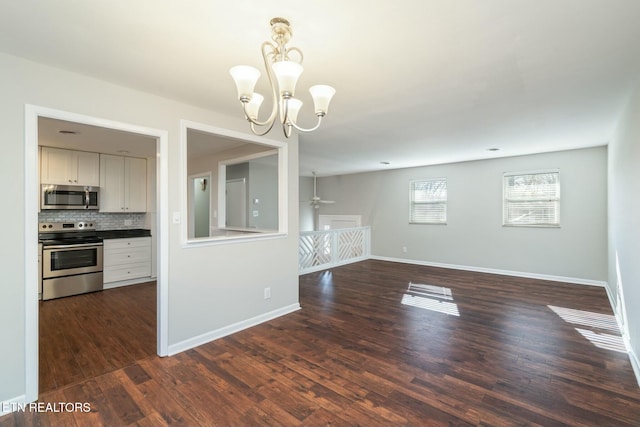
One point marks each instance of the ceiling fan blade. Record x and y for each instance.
(315, 200)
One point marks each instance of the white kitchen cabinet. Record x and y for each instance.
(123, 184)
(69, 167)
(126, 261)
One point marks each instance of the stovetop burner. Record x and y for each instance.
(67, 233)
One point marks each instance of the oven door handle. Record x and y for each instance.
(79, 245)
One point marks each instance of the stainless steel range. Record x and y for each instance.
(71, 259)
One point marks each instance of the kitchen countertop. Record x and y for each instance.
(123, 234)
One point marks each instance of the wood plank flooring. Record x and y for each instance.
(467, 349)
(88, 335)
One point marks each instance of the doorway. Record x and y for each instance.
(236, 203)
(159, 219)
(200, 205)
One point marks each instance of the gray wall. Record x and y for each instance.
(306, 212)
(201, 207)
(624, 223)
(263, 187)
(207, 290)
(261, 177)
(474, 236)
(209, 163)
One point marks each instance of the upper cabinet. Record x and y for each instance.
(69, 167)
(123, 184)
(122, 180)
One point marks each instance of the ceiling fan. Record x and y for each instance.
(316, 201)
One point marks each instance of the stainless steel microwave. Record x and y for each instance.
(68, 197)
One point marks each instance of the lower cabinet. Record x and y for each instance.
(126, 261)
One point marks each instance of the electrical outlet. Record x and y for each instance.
(404, 249)
(267, 293)
(128, 222)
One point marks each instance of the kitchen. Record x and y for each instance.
(96, 233)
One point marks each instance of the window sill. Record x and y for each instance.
(532, 225)
(228, 239)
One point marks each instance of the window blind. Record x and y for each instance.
(531, 199)
(428, 201)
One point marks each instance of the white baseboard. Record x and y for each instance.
(12, 405)
(633, 357)
(552, 278)
(121, 283)
(618, 316)
(231, 329)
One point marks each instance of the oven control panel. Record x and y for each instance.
(66, 226)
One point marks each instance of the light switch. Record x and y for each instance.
(177, 218)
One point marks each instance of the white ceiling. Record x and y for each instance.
(418, 81)
(77, 136)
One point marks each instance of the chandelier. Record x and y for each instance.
(284, 66)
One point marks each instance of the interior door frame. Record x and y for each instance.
(243, 202)
(32, 113)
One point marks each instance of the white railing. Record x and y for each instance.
(319, 250)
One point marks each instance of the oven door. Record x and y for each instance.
(67, 260)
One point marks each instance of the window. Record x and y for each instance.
(246, 193)
(428, 201)
(532, 199)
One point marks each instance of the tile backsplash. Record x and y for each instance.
(103, 221)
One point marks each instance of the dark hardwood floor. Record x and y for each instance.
(454, 348)
(87, 335)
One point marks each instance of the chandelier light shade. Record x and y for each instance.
(253, 106)
(245, 78)
(293, 109)
(321, 95)
(283, 66)
(287, 74)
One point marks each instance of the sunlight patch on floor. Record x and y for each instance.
(430, 291)
(599, 329)
(586, 318)
(604, 341)
(432, 298)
